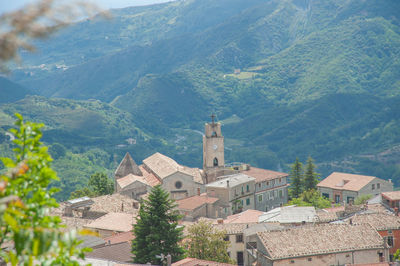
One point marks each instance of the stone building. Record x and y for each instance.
(235, 192)
(198, 206)
(324, 244)
(343, 187)
(135, 181)
(387, 225)
(271, 188)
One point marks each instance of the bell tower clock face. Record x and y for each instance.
(215, 146)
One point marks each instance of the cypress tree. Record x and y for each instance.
(296, 179)
(156, 231)
(310, 176)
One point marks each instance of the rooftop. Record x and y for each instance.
(113, 221)
(163, 166)
(126, 167)
(248, 216)
(121, 252)
(263, 174)
(231, 181)
(194, 202)
(290, 214)
(198, 262)
(119, 238)
(344, 181)
(392, 195)
(129, 179)
(233, 228)
(319, 239)
(379, 221)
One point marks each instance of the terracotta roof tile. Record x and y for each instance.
(379, 221)
(263, 174)
(233, 228)
(113, 221)
(319, 239)
(151, 179)
(248, 216)
(129, 179)
(161, 165)
(198, 262)
(119, 238)
(113, 203)
(392, 195)
(194, 202)
(344, 181)
(121, 252)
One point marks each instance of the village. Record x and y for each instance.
(249, 204)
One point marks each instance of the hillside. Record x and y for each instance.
(319, 78)
(11, 91)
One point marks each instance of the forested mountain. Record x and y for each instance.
(287, 78)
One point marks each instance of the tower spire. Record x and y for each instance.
(213, 118)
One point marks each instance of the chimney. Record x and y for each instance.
(351, 221)
(220, 221)
(227, 183)
(122, 207)
(198, 191)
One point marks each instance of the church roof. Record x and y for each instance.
(163, 166)
(126, 167)
(129, 179)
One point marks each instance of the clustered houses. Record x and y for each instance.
(342, 187)
(247, 203)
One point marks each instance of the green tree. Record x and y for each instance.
(296, 179)
(157, 231)
(311, 198)
(310, 176)
(25, 201)
(206, 243)
(362, 199)
(84, 192)
(100, 184)
(57, 150)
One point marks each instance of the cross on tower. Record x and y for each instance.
(212, 118)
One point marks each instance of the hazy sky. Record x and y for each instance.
(9, 5)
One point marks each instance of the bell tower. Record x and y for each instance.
(213, 146)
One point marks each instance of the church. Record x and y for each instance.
(266, 189)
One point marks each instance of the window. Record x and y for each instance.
(214, 134)
(309, 259)
(280, 180)
(350, 199)
(292, 261)
(267, 183)
(273, 182)
(247, 188)
(259, 185)
(239, 238)
(390, 241)
(347, 255)
(248, 201)
(337, 198)
(378, 186)
(226, 210)
(242, 190)
(275, 194)
(241, 203)
(259, 198)
(226, 238)
(373, 186)
(178, 184)
(215, 162)
(325, 195)
(280, 194)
